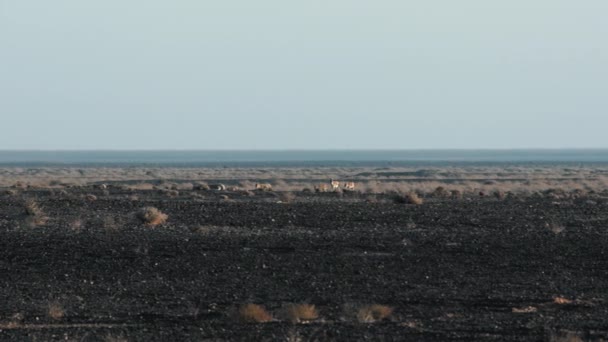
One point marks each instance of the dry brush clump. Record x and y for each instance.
(35, 216)
(90, 198)
(373, 313)
(151, 216)
(302, 313)
(287, 197)
(55, 311)
(254, 313)
(409, 198)
(32, 208)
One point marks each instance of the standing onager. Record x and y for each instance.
(350, 186)
(263, 186)
(335, 185)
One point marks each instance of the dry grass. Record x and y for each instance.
(409, 198)
(170, 193)
(34, 214)
(112, 338)
(555, 227)
(151, 216)
(90, 198)
(564, 336)
(373, 313)
(302, 312)
(527, 309)
(55, 311)
(287, 197)
(32, 208)
(253, 313)
(562, 300)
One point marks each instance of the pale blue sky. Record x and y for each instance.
(276, 74)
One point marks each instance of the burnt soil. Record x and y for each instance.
(452, 269)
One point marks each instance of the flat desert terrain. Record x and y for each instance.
(468, 253)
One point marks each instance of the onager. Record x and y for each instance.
(335, 185)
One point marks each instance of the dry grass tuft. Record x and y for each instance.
(56, 311)
(11, 192)
(151, 216)
(302, 312)
(32, 208)
(253, 313)
(287, 197)
(564, 336)
(170, 193)
(409, 198)
(441, 192)
(90, 198)
(527, 309)
(112, 338)
(555, 227)
(561, 300)
(374, 313)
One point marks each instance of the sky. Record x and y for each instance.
(315, 74)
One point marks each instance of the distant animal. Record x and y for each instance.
(218, 187)
(100, 186)
(323, 187)
(263, 186)
(350, 186)
(335, 185)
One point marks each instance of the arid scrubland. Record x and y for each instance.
(425, 181)
(433, 253)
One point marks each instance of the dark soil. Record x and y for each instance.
(477, 269)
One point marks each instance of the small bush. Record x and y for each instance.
(302, 312)
(170, 193)
(253, 313)
(32, 208)
(440, 192)
(151, 216)
(409, 198)
(55, 311)
(90, 198)
(373, 313)
(287, 197)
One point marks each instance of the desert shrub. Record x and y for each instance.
(499, 194)
(302, 312)
(456, 194)
(562, 300)
(55, 311)
(151, 216)
(409, 198)
(247, 193)
(371, 199)
(200, 186)
(253, 313)
(287, 197)
(440, 192)
(36, 221)
(373, 313)
(90, 198)
(170, 193)
(32, 208)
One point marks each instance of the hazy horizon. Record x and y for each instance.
(317, 75)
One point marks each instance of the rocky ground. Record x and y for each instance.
(85, 268)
